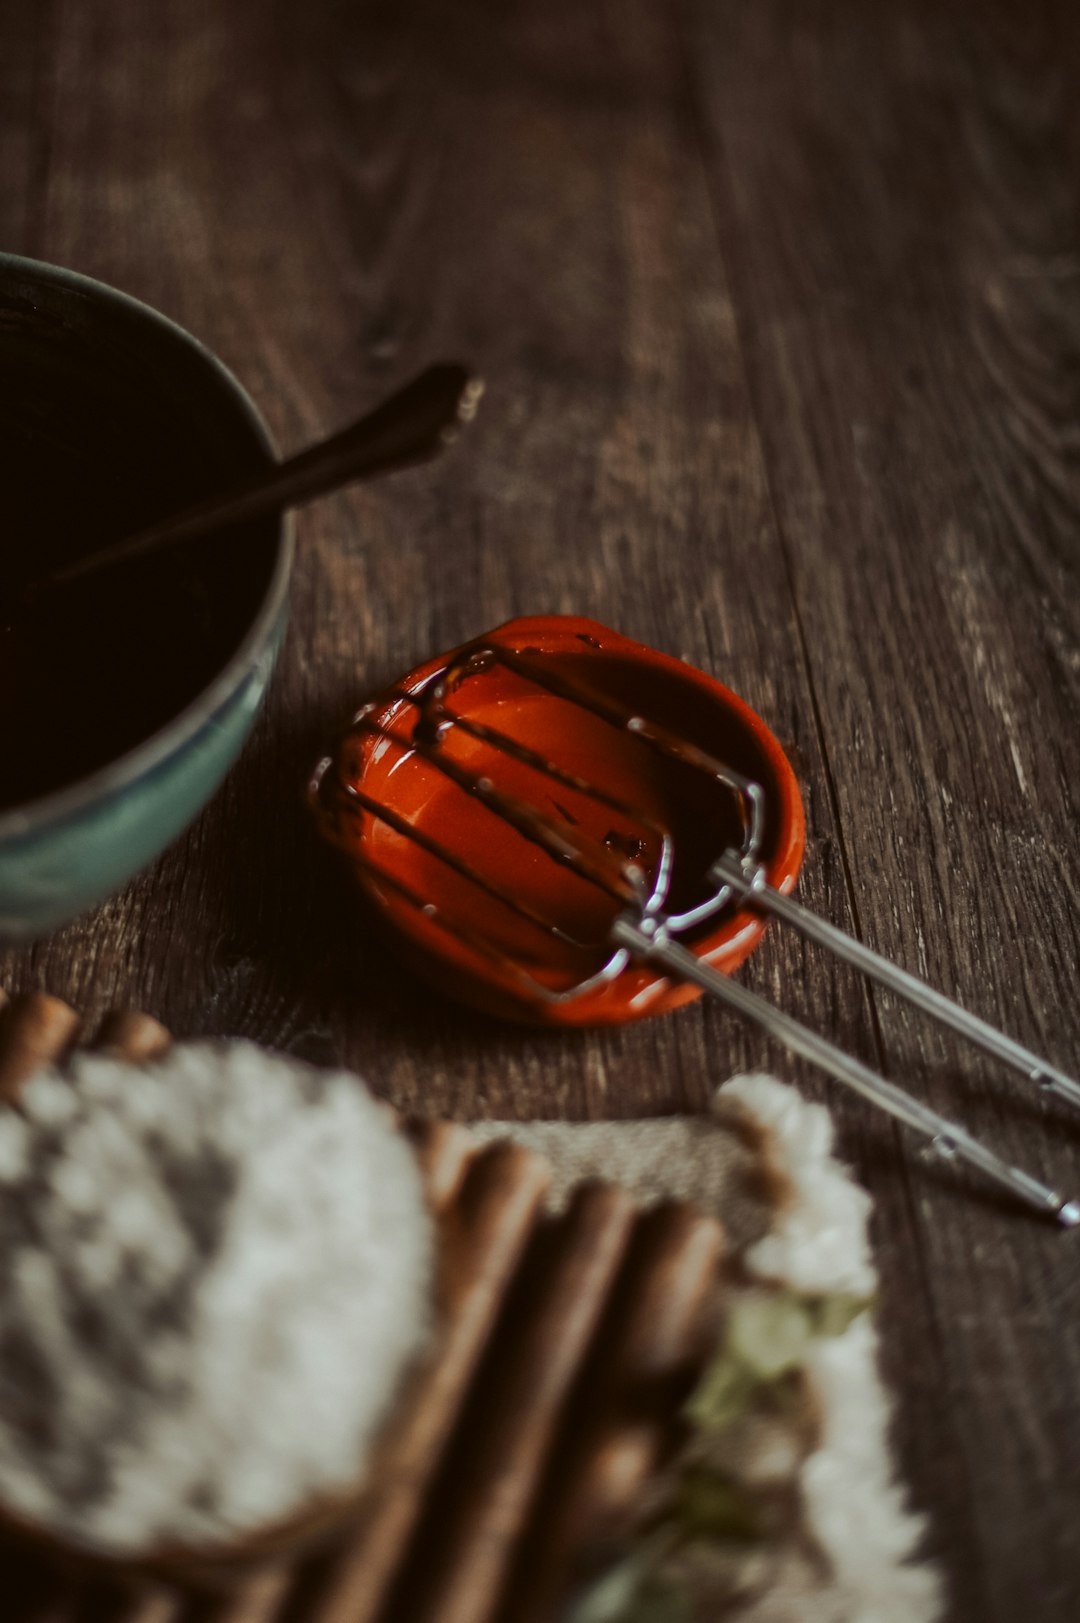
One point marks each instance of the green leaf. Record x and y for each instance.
(632, 1593)
(724, 1393)
(707, 1504)
(832, 1315)
(769, 1332)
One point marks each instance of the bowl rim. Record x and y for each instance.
(29, 817)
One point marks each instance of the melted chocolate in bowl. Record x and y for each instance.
(699, 813)
(108, 421)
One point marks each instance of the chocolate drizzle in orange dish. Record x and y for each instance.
(534, 910)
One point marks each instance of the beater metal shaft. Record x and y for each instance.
(948, 1138)
(645, 928)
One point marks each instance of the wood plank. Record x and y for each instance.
(896, 193)
(328, 197)
(26, 36)
(844, 234)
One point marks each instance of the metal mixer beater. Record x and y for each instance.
(520, 937)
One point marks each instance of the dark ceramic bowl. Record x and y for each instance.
(122, 705)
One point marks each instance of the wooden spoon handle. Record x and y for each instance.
(412, 426)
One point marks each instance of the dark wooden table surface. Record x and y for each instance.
(779, 306)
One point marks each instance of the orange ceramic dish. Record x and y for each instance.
(375, 765)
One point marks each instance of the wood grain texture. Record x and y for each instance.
(779, 308)
(911, 321)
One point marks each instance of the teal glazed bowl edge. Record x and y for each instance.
(65, 852)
